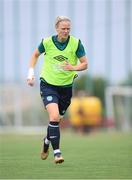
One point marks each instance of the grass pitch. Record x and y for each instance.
(94, 156)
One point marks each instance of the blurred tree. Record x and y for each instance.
(128, 80)
(84, 83)
(92, 86)
(99, 88)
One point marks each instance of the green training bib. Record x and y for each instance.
(51, 70)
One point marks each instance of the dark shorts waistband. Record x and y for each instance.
(43, 80)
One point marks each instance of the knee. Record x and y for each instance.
(55, 117)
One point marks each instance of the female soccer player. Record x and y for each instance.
(61, 54)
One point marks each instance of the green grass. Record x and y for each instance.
(95, 156)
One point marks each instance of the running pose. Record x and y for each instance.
(61, 54)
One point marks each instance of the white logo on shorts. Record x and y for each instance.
(52, 137)
(49, 98)
(63, 111)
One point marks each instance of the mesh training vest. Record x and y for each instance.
(51, 70)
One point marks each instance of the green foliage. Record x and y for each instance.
(81, 83)
(92, 86)
(99, 85)
(128, 80)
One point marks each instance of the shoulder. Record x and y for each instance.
(73, 38)
(41, 48)
(80, 50)
(44, 44)
(47, 39)
(74, 42)
(47, 42)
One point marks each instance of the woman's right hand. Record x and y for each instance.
(31, 77)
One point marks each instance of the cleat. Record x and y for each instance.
(44, 155)
(59, 159)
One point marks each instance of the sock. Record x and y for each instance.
(48, 135)
(46, 141)
(54, 132)
(57, 152)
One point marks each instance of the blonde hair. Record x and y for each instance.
(61, 18)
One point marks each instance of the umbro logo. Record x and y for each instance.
(52, 137)
(60, 58)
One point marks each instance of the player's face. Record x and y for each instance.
(63, 30)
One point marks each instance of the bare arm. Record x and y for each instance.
(34, 58)
(79, 67)
(32, 63)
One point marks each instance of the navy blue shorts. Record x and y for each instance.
(56, 94)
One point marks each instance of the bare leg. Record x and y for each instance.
(54, 130)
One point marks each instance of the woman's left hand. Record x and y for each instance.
(67, 66)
